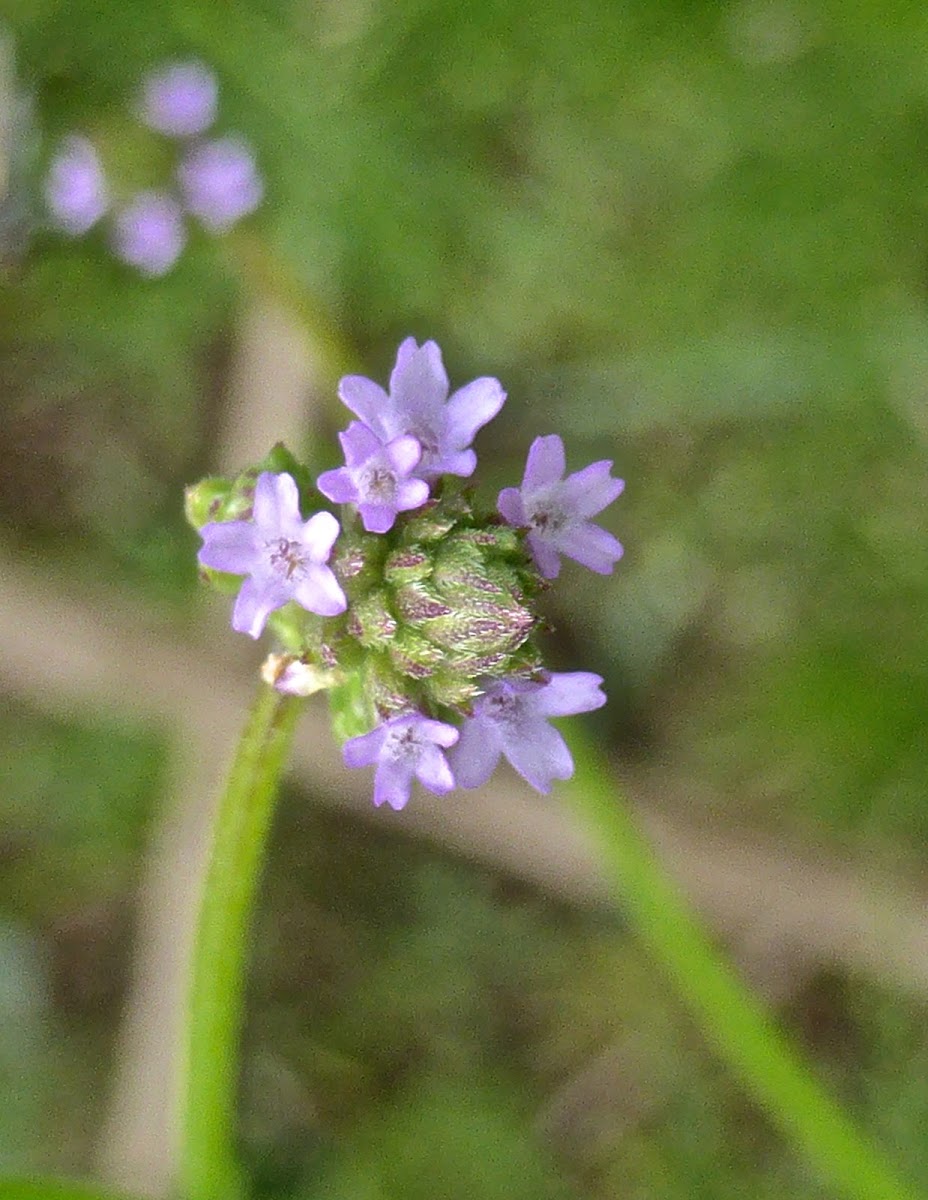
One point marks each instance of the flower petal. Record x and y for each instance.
(277, 505)
(476, 754)
(319, 534)
(587, 492)
(539, 754)
(411, 493)
(470, 408)
(510, 506)
(546, 557)
(231, 546)
(393, 783)
(364, 750)
(366, 400)
(570, 692)
(403, 453)
(359, 443)
(254, 604)
(545, 464)
(590, 545)
(419, 382)
(377, 518)
(319, 592)
(338, 486)
(432, 770)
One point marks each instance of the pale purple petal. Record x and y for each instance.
(359, 443)
(540, 755)
(589, 491)
(319, 534)
(411, 493)
(546, 463)
(592, 546)
(76, 192)
(149, 233)
(462, 462)
(393, 784)
(474, 758)
(365, 399)
(404, 453)
(433, 772)
(546, 557)
(569, 692)
(437, 732)
(511, 507)
(471, 407)
(254, 604)
(277, 503)
(338, 486)
(419, 382)
(363, 751)
(320, 592)
(231, 546)
(377, 518)
(179, 99)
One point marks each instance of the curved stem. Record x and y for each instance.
(208, 1165)
(732, 1018)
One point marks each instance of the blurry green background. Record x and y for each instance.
(689, 237)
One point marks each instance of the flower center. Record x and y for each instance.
(286, 556)
(548, 519)
(379, 485)
(403, 744)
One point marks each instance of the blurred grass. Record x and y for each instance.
(693, 239)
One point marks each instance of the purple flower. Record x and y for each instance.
(418, 404)
(283, 556)
(556, 510)
(149, 233)
(511, 718)
(404, 748)
(179, 99)
(376, 477)
(75, 187)
(220, 182)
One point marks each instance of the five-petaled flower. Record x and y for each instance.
(556, 511)
(377, 478)
(418, 404)
(511, 718)
(403, 748)
(179, 99)
(283, 556)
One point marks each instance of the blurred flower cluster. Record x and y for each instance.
(213, 179)
(414, 608)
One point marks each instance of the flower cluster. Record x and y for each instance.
(413, 609)
(213, 179)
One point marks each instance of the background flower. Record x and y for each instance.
(149, 232)
(220, 183)
(179, 99)
(76, 192)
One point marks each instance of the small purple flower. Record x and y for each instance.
(149, 233)
(75, 188)
(511, 718)
(179, 99)
(283, 556)
(403, 748)
(418, 404)
(556, 511)
(220, 182)
(375, 477)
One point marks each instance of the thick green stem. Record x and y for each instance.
(732, 1018)
(209, 1168)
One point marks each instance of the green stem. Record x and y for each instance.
(732, 1018)
(209, 1168)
